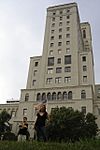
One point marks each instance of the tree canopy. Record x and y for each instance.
(66, 124)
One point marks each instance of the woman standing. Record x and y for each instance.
(42, 116)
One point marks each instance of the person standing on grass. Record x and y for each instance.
(23, 129)
(40, 123)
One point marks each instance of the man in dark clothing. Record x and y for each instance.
(23, 129)
(42, 115)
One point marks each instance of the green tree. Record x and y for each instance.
(4, 121)
(66, 124)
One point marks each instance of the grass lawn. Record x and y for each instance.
(82, 145)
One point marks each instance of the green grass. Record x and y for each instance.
(82, 145)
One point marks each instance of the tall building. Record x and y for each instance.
(64, 74)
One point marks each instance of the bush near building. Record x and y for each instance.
(68, 125)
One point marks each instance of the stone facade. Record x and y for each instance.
(64, 74)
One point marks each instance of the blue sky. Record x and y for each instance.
(22, 25)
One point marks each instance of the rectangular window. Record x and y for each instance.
(67, 50)
(68, 28)
(67, 35)
(67, 79)
(36, 64)
(58, 80)
(83, 109)
(13, 114)
(68, 22)
(84, 58)
(52, 31)
(60, 23)
(51, 44)
(67, 42)
(58, 70)
(50, 61)
(53, 24)
(60, 18)
(59, 61)
(84, 68)
(60, 36)
(35, 72)
(53, 19)
(24, 111)
(68, 59)
(33, 82)
(60, 29)
(50, 70)
(68, 69)
(49, 80)
(84, 78)
(51, 52)
(52, 37)
(59, 43)
(59, 51)
(68, 17)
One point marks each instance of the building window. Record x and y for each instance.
(84, 58)
(59, 96)
(68, 17)
(59, 61)
(49, 80)
(53, 19)
(43, 97)
(60, 29)
(52, 37)
(64, 95)
(36, 64)
(68, 69)
(54, 13)
(99, 91)
(58, 80)
(67, 42)
(25, 112)
(68, 28)
(59, 43)
(60, 18)
(38, 97)
(50, 70)
(84, 78)
(68, 59)
(13, 113)
(60, 23)
(33, 82)
(70, 95)
(60, 12)
(51, 52)
(67, 50)
(35, 72)
(53, 96)
(84, 68)
(60, 36)
(52, 31)
(83, 109)
(83, 94)
(67, 35)
(59, 51)
(49, 96)
(58, 70)
(67, 79)
(50, 61)
(26, 97)
(53, 24)
(51, 44)
(84, 33)
(68, 22)
(68, 10)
